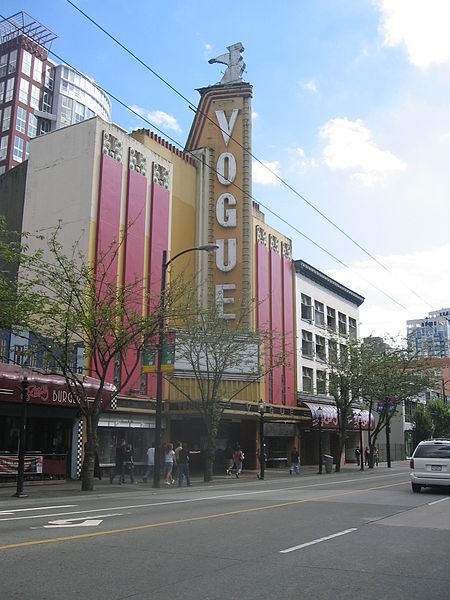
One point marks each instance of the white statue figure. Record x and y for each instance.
(234, 61)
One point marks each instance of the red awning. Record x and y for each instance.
(330, 417)
(46, 389)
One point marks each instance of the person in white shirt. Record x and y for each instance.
(150, 463)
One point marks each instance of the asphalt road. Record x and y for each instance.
(353, 535)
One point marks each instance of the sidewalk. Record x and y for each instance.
(60, 488)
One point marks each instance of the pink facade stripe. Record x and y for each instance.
(159, 241)
(134, 257)
(263, 297)
(108, 226)
(289, 333)
(276, 318)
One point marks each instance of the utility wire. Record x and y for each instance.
(283, 181)
(192, 153)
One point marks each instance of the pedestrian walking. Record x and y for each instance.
(128, 463)
(376, 456)
(358, 456)
(238, 457)
(169, 457)
(150, 463)
(183, 465)
(177, 449)
(119, 466)
(367, 456)
(295, 462)
(229, 462)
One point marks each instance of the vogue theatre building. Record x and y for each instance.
(99, 181)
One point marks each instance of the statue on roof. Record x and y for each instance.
(234, 61)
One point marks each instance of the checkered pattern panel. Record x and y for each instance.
(79, 447)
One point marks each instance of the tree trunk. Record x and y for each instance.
(90, 450)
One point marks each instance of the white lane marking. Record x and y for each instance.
(322, 539)
(84, 522)
(438, 501)
(18, 510)
(301, 487)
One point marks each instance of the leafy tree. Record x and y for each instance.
(393, 377)
(422, 424)
(64, 302)
(223, 357)
(431, 420)
(348, 372)
(370, 374)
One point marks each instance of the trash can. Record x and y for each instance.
(328, 462)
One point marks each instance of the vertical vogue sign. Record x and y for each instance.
(226, 214)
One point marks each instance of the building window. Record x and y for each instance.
(44, 126)
(320, 348)
(343, 352)
(27, 150)
(307, 344)
(3, 64)
(35, 95)
(24, 91)
(12, 61)
(306, 308)
(9, 89)
(6, 118)
(307, 379)
(37, 70)
(21, 119)
(18, 148)
(47, 102)
(3, 146)
(49, 74)
(319, 314)
(332, 351)
(26, 63)
(32, 126)
(2, 91)
(352, 328)
(342, 323)
(321, 382)
(79, 112)
(331, 318)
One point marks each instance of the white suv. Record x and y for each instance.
(430, 464)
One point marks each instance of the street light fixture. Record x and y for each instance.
(262, 455)
(160, 349)
(22, 436)
(319, 420)
(361, 462)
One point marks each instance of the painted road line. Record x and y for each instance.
(13, 511)
(438, 501)
(318, 541)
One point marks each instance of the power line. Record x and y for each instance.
(178, 144)
(283, 181)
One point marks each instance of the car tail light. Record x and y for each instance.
(411, 463)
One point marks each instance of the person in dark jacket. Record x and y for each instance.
(183, 465)
(119, 467)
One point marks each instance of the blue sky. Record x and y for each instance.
(351, 110)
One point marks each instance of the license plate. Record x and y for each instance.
(436, 467)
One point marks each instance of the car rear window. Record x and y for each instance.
(432, 451)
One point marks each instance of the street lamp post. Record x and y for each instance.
(22, 438)
(319, 421)
(262, 455)
(361, 447)
(160, 350)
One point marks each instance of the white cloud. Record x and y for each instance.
(266, 173)
(350, 147)
(159, 118)
(310, 86)
(421, 25)
(413, 285)
(301, 161)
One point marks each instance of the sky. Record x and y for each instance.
(351, 122)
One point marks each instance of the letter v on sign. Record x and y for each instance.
(226, 126)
